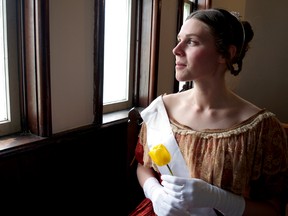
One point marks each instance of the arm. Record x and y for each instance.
(143, 173)
(269, 208)
(275, 143)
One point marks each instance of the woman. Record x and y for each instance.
(230, 156)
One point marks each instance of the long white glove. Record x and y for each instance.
(196, 193)
(160, 199)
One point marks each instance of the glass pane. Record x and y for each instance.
(4, 102)
(116, 51)
(186, 12)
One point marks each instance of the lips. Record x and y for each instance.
(180, 65)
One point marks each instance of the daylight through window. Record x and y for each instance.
(4, 105)
(116, 51)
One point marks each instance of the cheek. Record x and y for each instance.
(203, 57)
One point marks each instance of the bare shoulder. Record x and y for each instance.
(175, 99)
(176, 104)
(246, 108)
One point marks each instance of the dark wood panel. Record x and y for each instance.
(75, 172)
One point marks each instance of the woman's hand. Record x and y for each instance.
(161, 201)
(192, 193)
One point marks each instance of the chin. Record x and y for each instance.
(180, 79)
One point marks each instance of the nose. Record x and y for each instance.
(177, 50)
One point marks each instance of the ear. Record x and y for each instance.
(222, 59)
(232, 51)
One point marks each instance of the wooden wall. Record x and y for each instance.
(80, 172)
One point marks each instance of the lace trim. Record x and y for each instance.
(241, 128)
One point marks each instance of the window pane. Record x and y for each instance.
(116, 51)
(10, 115)
(4, 114)
(186, 12)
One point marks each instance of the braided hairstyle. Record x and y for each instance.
(228, 29)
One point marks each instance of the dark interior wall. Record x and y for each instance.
(76, 172)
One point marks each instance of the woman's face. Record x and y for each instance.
(196, 55)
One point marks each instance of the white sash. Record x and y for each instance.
(159, 131)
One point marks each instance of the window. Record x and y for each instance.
(142, 56)
(114, 61)
(9, 78)
(4, 88)
(27, 25)
(117, 51)
(188, 7)
(29, 74)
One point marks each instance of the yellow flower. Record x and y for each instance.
(160, 156)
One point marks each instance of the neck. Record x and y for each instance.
(210, 97)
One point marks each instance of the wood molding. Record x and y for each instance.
(204, 4)
(35, 67)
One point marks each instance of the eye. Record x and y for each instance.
(188, 41)
(192, 42)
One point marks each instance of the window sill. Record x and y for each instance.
(18, 142)
(15, 142)
(115, 116)
(118, 116)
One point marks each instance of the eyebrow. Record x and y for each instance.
(188, 35)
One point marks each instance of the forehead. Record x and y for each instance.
(196, 28)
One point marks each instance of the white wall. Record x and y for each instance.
(71, 55)
(264, 79)
(168, 33)
(231, 5)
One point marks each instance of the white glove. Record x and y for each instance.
(160, 200)
(196, 193)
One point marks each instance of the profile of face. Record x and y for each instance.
(231, 37)
(196, 53)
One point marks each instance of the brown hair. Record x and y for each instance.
(228, 30)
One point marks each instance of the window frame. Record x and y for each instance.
(145, 64)
(144, 84)
(32, 70)
(35, 67)
(11, 66)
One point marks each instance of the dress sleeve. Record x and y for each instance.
(141, 145)
(270, 172)
(141, 150)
